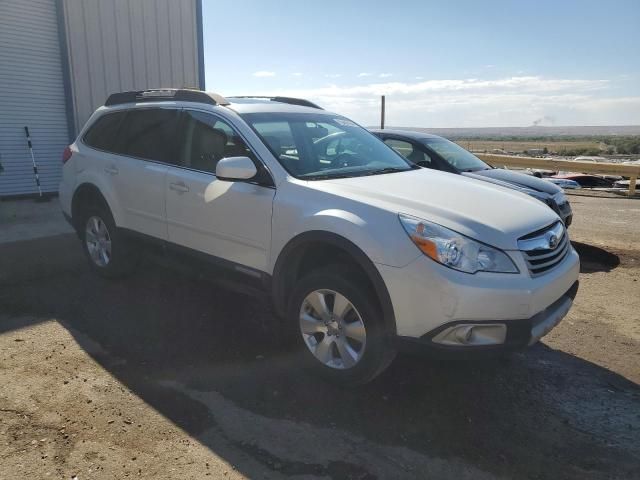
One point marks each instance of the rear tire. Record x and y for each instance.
(108, 252)
(338, 324)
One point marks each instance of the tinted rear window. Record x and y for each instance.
(102, 134)
(149, 134)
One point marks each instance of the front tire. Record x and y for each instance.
(339, 326)
(108, 253)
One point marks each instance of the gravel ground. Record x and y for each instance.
(167, 376)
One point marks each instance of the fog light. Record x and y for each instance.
(466, 334)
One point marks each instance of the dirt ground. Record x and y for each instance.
(165, 376)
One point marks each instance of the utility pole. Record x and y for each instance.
(382, 114)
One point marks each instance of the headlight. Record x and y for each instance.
(560, 198)
(455, 250)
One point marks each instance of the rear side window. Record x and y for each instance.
(102, 134)
(149, 134)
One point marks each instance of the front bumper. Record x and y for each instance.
(428, 297)
(520, 333)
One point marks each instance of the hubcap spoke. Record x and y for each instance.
(355, 330)
(310, 325)
(318, 302)
(347, 354)
(341, 306)
(323, 351)
(94, 251)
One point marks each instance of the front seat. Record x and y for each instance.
(419, 158)
(207, 147)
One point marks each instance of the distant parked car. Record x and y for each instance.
(564, 183)
(432, 151)
(589, 159)
(585, 180)
(611, 178)
(621, 184)
(541, 172)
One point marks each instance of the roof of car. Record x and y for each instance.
(242, 104)
(412, 134)
(261, 105)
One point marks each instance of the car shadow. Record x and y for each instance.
(595, 259)
(201, 355)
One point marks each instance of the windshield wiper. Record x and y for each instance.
(330, 176)
(387, 170)
(326, 176)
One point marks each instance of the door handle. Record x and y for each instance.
(111, 170)
(179, 187)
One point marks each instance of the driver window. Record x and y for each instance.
(410, 152)
(207, 140)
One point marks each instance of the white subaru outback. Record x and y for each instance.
(362, 253)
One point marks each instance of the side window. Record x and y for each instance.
(149, 134)
(403, 148)
(409, 151)
(206, 139)
(102, 134)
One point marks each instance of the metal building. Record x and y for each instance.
(60, 59)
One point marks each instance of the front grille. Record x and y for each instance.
(544, 249)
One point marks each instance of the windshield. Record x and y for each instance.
(319, 146)
(455, 155)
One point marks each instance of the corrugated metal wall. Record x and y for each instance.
(129, 45)
(32, 94)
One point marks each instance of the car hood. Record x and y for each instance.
(518, 179)
(489, 213)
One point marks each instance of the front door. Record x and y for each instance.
(229, 220)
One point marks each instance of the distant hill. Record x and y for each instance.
(533, 131)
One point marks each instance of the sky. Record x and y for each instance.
(451, 64)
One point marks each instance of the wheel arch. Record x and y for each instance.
(83, 194)
(287, 269)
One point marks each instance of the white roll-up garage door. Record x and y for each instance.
(31, 94)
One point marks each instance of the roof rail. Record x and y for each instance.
(166, 94)
(290, 100)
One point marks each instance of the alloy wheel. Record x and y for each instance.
(98, 241)
(332, 329)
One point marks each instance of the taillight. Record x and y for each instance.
(66, 155)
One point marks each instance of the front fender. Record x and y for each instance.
(289, 258)
(383, 240)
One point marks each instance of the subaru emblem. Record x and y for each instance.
(553, 241)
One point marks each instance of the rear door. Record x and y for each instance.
(229, 220)
(101, 158)
(147, 143)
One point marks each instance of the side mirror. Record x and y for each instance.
(232, 169)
